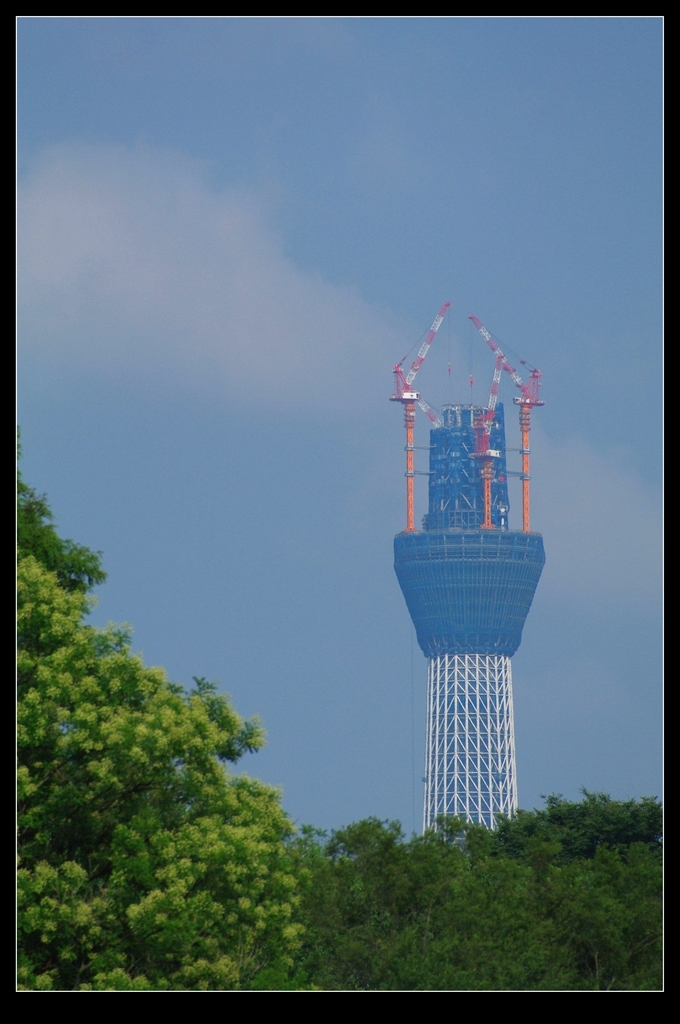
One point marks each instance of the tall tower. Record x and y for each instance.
(468, 581)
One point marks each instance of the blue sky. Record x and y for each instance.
(229, 230)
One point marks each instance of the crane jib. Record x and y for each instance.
(418, 361)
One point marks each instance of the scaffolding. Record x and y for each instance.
(456, 497)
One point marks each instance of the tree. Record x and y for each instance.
(581, 828)
(143, 862)
(76, 567)
(452, 910)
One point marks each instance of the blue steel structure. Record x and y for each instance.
(456, 493)
(468, 591)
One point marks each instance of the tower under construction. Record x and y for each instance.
(468, 581)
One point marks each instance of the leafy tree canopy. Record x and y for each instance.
(453, 910)
(144, 864)
(580, 828)
(76, 567)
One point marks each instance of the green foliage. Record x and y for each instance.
(76, 567)
(451, 910)
(143, 864)
(580, 828)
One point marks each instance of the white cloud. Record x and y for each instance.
(602, 526)
(131, 259)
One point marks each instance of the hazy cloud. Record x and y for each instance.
(604, 525)
(128, 258)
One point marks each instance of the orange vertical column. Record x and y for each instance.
(409, 420)
(525, 427)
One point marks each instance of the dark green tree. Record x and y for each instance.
(76, 567)
(453, 910)
(580, 828)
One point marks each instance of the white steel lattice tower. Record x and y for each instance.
(468, 586)
(470, 768)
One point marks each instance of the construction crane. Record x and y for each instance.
(404, 393)
(527, 401)
(436, 421)
(482, 451)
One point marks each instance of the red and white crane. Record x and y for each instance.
(527, 401)
(404, 393)
(483, 425)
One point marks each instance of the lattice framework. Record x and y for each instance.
(470, 769)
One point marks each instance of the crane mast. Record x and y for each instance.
(407, 396)
(527, 400)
